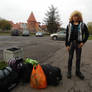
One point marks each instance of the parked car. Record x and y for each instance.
(39, 34)
(59, 35)
(26, 33)
(15, 32)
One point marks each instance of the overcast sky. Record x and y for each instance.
(19, 10)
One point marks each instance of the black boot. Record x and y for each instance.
(69, 75)
(80, 75)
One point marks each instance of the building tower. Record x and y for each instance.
(33, 25)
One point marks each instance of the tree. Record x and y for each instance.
(52, 20)
(5, 25)
(90, 27)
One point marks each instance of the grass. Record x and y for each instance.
(4, 33)
(2, 64)
(90, 37)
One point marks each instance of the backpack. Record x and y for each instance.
(53, 74)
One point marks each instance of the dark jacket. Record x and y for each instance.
(85, 35)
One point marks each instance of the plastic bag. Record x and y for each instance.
(38, 78)
(33, 62)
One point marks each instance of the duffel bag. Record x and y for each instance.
(53, 74)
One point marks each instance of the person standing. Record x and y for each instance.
(76, 36)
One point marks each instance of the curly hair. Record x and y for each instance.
(76, 13)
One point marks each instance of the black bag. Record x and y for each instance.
(5, 72)
(9, 81)
(25, 72)
(53, 74)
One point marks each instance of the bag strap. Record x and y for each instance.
(8, 69)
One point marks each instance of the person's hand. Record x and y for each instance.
(80, 45)
(68, 48)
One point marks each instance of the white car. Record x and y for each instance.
(26, 33)
(58, 35)
(39, 34)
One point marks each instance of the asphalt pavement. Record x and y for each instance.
(52, 52)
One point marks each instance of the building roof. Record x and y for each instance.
(31, 18)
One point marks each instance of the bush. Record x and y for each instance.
(90, 27)
(2, 64)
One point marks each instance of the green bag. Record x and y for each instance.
(33, 62)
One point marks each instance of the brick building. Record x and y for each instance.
(33, 25)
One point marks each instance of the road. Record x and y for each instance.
(52, 52)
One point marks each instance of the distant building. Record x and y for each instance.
(43, 27)
(16, 26)
(33, 25)
(23, 26)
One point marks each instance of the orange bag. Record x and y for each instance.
(38, 78)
